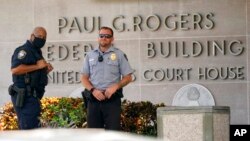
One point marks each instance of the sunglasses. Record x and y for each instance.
(105, 36)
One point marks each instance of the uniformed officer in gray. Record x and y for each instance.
(105, 72)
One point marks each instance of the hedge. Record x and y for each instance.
(62, 112)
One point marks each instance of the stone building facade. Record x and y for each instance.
(169, 43)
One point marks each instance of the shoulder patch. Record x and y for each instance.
(21, 54)
(126, 57)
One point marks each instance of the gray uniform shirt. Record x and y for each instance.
(104, 73)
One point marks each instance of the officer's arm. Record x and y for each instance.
(112, 89)
(125, 80)
(22, 69)
(85, 82)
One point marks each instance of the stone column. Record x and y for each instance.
(193, 123)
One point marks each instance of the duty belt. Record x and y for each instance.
(30, 91)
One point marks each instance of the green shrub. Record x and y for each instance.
(139, 117)
(63, 113)
(136, 117)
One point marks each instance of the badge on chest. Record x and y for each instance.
(113, 56)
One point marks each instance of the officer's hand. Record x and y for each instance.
(111, 90)
(49, 67)
(41, 64)
(98, 95)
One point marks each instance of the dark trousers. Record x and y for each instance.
(28, 115)
(104, 114)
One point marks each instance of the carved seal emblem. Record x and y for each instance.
(193, 95)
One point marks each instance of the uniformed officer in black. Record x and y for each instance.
(29, 74)
(105, 72)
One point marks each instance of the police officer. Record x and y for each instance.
(105, 72)
(29, 74)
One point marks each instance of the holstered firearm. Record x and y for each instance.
(20, 95)
(86, 95)
(20, 98)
